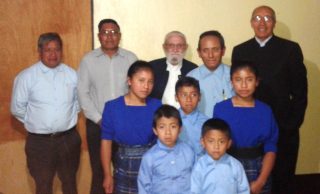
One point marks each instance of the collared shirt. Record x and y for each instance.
(169, 92)
(166, 170)
(102, 78)
(223, 176)
(262, 43)
(215, 86)
(191, 130)
(45, 99)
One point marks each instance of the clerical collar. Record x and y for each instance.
(264, 42)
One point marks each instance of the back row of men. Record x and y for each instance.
(46, 101)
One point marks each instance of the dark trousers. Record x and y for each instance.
(285, 166)
(47, 156)
(94, 141)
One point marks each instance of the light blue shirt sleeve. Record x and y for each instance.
(196, 180)
(19, 99)
(145, 175)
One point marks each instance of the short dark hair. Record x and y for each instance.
(244, 65)
(138, 66)
(48, 37)
(189, 82)
(166, 111)
(106, 21)
(216, 124)
(214, 33)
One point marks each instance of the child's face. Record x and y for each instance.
(215, 143)
(167, 130)
(141, 83)
(188, 98)
(244, 82)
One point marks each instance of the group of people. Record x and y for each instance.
(167, 126)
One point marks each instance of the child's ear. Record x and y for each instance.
(257, 83)
(202, 142)
(229, 143)
(155, 131)
(129, 81)
(175, 96)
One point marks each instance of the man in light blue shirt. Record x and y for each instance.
(45, 99)
(166, 167)
(214, 77)
(217, 172)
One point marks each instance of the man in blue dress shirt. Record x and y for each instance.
(213, 76)
(44, 99)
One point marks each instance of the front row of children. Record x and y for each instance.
(177, 163)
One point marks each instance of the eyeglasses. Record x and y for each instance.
(265, 18)
(109, 33)
(177, 46)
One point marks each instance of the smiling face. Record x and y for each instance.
(244, 83)
(263, 22)
(167, 130)
(211, 52)
(215, 143)
(51, 54)
(141, 84)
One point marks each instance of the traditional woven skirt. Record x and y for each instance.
(252, 168)
(127, 161)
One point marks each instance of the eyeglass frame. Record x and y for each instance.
(266, 18)
(175, 46)
(109, 32)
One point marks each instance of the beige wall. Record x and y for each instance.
(21, 23)
(144, 24)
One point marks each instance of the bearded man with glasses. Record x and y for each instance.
(169, 69)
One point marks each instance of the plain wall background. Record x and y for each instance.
(144, 24)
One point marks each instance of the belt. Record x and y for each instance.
(246, 153)
(56, 134)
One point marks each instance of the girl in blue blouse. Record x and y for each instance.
(253, 128)
(127, 130)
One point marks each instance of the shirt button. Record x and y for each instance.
(172, 162)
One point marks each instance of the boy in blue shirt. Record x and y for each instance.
(217, 172)
(188, 96)
(167, 166)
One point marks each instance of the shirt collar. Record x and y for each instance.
(193, 116)
(119, 52)
(166, 148)
(263, 43)
(211, 162)
(204, 71)
(46, 69)
(172, 68)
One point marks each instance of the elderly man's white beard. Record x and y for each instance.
(175, 59)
